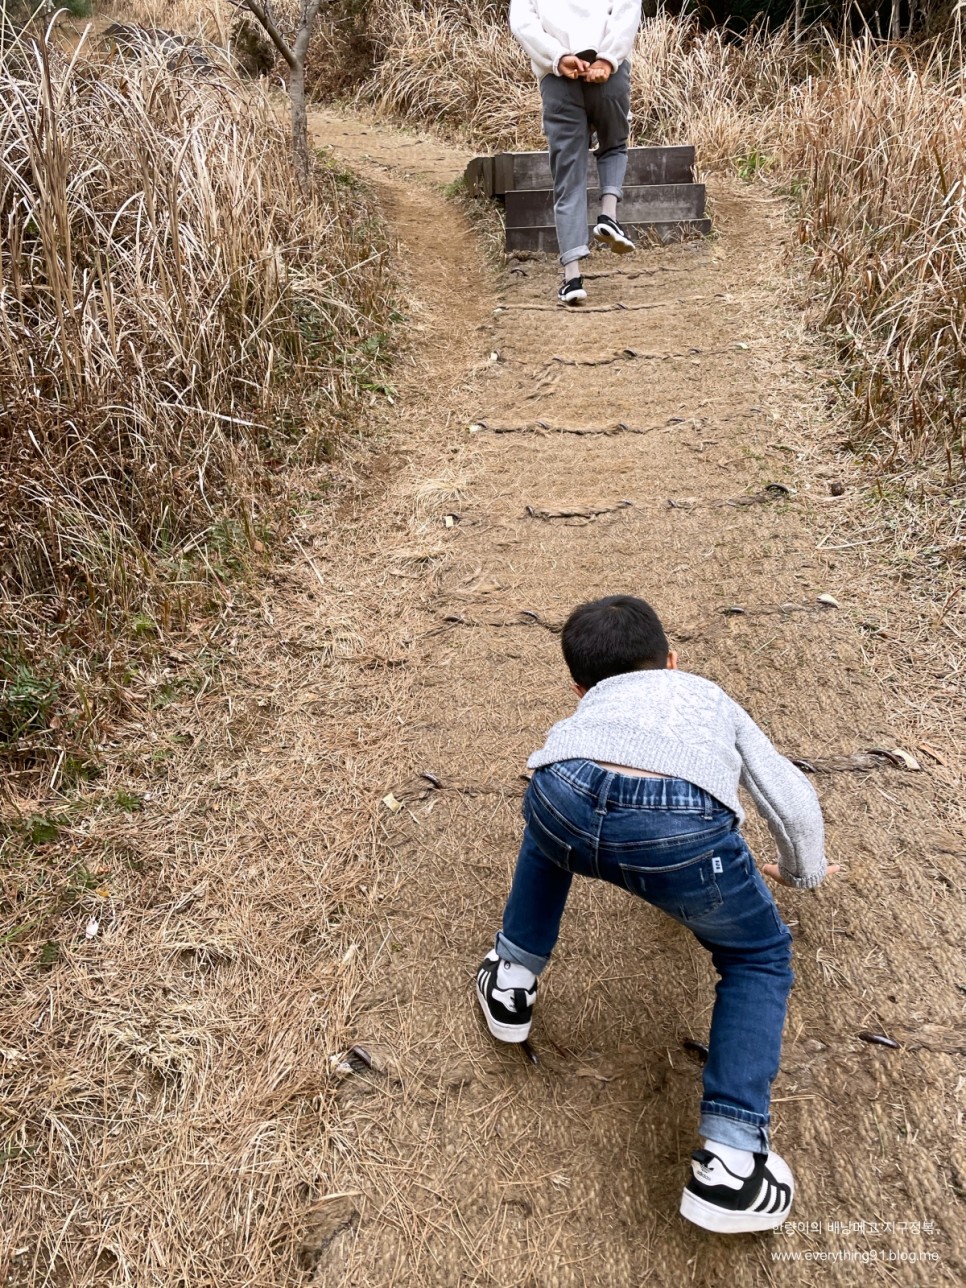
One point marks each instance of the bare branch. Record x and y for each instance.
(261, 12)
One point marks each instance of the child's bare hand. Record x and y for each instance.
(572, 67)
(598, 72)
(774, 871)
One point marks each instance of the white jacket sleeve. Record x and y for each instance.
(617, 42)
(786, 801)
(544, 50)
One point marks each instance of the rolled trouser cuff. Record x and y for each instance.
(613, 192)
(734, 1128)
(569, 256)
(508, 951)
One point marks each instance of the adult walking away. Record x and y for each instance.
(581, 54)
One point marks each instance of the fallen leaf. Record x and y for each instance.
(879, 1039)
(932, 753)
(828, 600)
(697, 1050)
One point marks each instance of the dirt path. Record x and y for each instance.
(472, 1166)
(186, 1117)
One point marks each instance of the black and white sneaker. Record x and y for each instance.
(572, 291)
(508, 1011)
(718, 1200)
(608, 232)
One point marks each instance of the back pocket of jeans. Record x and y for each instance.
(685, 891)
(551, 846)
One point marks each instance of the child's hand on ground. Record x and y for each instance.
(572, 67)
(774, 871)
(598, 72)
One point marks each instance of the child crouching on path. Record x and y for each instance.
(580, 51)
(639, 787)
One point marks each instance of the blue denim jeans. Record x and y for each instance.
(675, 846)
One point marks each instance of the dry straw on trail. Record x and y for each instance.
(177, 323)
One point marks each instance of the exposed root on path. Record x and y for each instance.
(587, 431)
(581, 513)
(569, 310)
(639, 355)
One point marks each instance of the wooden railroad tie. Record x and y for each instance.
(661, 200)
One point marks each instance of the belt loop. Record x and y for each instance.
(601, 806)
(708, 805)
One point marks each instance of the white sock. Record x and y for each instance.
(608, 205)
(739, 1161)
(571, 271)
(513, 975)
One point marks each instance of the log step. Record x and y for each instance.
(661, 231)
(522, 171)
(656, 203)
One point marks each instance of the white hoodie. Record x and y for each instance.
(549, 29)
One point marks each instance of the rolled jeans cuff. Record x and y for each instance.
(733, 1127)
(507, 951)
(613, 192)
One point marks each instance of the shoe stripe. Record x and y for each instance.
(774, 1196)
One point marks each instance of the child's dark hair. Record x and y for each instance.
(610, 636)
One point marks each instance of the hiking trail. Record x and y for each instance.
(667, 442)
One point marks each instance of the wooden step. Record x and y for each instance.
(480, 175)
(528, 170)
(655, 203)
(661, 231)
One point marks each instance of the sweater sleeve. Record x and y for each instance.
(529, 32)
(620, 32)
(786, 801)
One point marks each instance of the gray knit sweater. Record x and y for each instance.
(681, 725)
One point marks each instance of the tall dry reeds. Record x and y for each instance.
(877, 143)
(867, 137)
(176, 322)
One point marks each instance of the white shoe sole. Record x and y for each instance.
(503, 1032)
(722, 1221)
(607, 237)
(577, 298)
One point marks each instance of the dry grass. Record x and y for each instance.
(867, 137)
(177, 326)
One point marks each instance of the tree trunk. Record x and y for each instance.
(294, 55)
(300, 123)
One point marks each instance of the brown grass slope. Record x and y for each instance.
(178, 324)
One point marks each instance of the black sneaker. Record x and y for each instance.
(608, 232)
(718, 1200)
(572, 292)
(508, 1011)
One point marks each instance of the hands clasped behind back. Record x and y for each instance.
(573, 67)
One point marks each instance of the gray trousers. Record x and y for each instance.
(571, 109)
